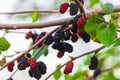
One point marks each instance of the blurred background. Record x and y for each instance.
(19, 43)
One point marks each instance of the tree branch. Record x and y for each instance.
(30, 11)
(89, 12)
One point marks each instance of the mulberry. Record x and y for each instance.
(63, 7)
(73, 9)
(59, 35)
(68, 67)
(48, 40)
(93, 63)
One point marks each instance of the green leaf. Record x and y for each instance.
(77, 75)
(116, 44)
(106, 34)
(87, 60)
(92, 24)
(35, 16)
(110, 76)
(58, 74)
(42, 51)
(108, 8)
(4, 44)
(67, 77)
(46, 52)
(93, 2)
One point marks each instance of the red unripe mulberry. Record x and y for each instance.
(11, 66)
(28, 35)
(69, 67)
(81, 21)
(63, 7)
(32, 62)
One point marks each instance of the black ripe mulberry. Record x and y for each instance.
(59, 35)
(34, 36)
(73, 9)
(42, 67)
(63, 46)
(74, 37)
(93, 63)
(86, 37)
(42, 33)
(23, 64)
(35, 72)
(96, 72)
(67, 35)
(49, 40)
(74, 23)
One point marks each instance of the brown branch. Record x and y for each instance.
(89, 12)
(30, 11)
(90, 52)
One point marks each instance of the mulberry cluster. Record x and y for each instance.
(93, 63)
(39, 70)
(36, 68)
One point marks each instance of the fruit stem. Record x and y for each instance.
(12, 74)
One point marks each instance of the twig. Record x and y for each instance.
(90, 52)
(89, 12)
(30, 11)
(12, 74)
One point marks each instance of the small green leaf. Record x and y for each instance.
(92, 24)
(106, 34)
(42, 51)
(93, 2)
(4, 44)
(46, 52)
(58, 74)
(35, 16)
(108, 8)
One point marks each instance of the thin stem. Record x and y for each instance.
(30, 11)
(12, 74)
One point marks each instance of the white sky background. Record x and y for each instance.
(19, 43)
